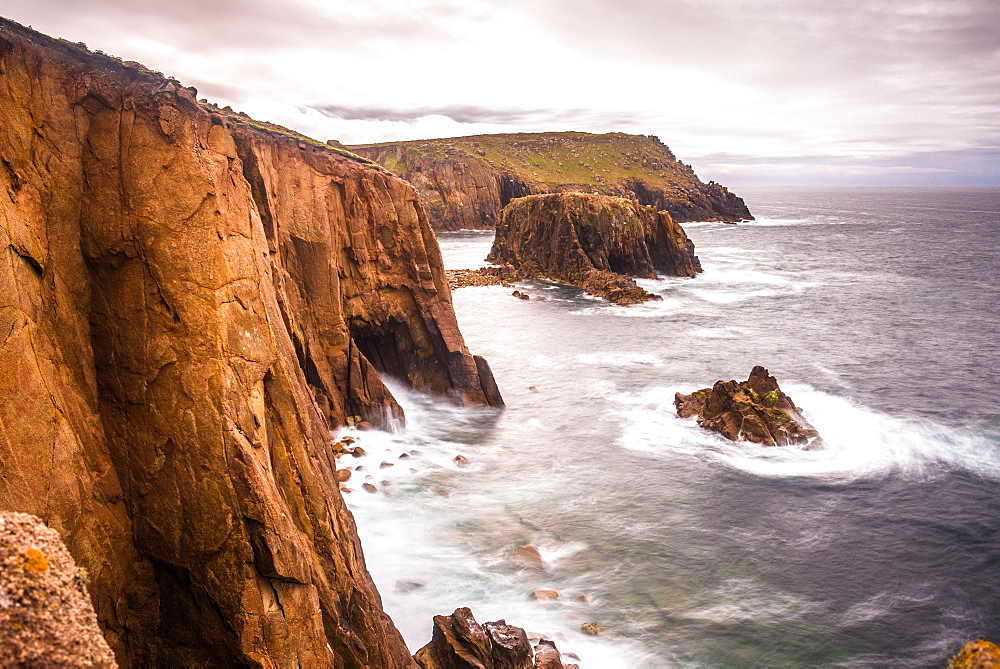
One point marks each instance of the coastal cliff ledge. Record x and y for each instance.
(190, 301)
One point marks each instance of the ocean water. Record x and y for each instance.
(878, 310)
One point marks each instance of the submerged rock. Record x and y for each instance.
(543, 595)
(596, 242)
(753, 410)
(459, 641)
(979, 654)
(527, 557)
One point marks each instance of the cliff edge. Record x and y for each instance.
(464, 182)
(189, 302)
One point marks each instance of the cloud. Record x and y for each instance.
(224, 25)
(973, 167)
(474, 114)
(915, 80)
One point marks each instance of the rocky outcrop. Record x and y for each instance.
(753, 410)
(980, 654)
(596, 242)
(46, 618)
(189, 302)
(465, 182)
(459, 641)
(484, 276)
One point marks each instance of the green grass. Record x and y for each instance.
(557, 158)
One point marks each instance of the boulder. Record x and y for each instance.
(527, 557)
(547, 656)
(458, 641)
(754, 410)
(544, 595)
(979, 654)
(596, 242)
(46, 618)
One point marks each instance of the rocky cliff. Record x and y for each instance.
(189, 302)
(596, 242)
(464, 182)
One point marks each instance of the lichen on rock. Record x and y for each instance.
(978, 654)
(46, 617)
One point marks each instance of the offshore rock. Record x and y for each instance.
(753, 410)
(979, 654)
(190, 301)
(464, 182)
(46, 618)
(459, 641)
(596, 242)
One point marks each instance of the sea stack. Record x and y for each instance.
(597, 242)
(754, 410)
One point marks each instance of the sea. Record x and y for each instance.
(877, 310)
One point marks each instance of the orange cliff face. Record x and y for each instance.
(188, 305)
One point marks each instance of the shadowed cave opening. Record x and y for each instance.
(380, 344)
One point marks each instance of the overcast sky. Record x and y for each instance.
(750, 92)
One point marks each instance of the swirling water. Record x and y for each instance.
(878, 310)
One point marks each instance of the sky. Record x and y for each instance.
(749, 92)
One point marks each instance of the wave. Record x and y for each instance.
(430, 535)
(857, 441)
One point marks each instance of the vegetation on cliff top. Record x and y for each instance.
(558, 158)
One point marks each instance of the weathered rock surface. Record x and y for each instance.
(465, 182)
(189, 302)
(596, 242)
(753, 410)
(459, 642)
(46, 618)
(979, 654)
